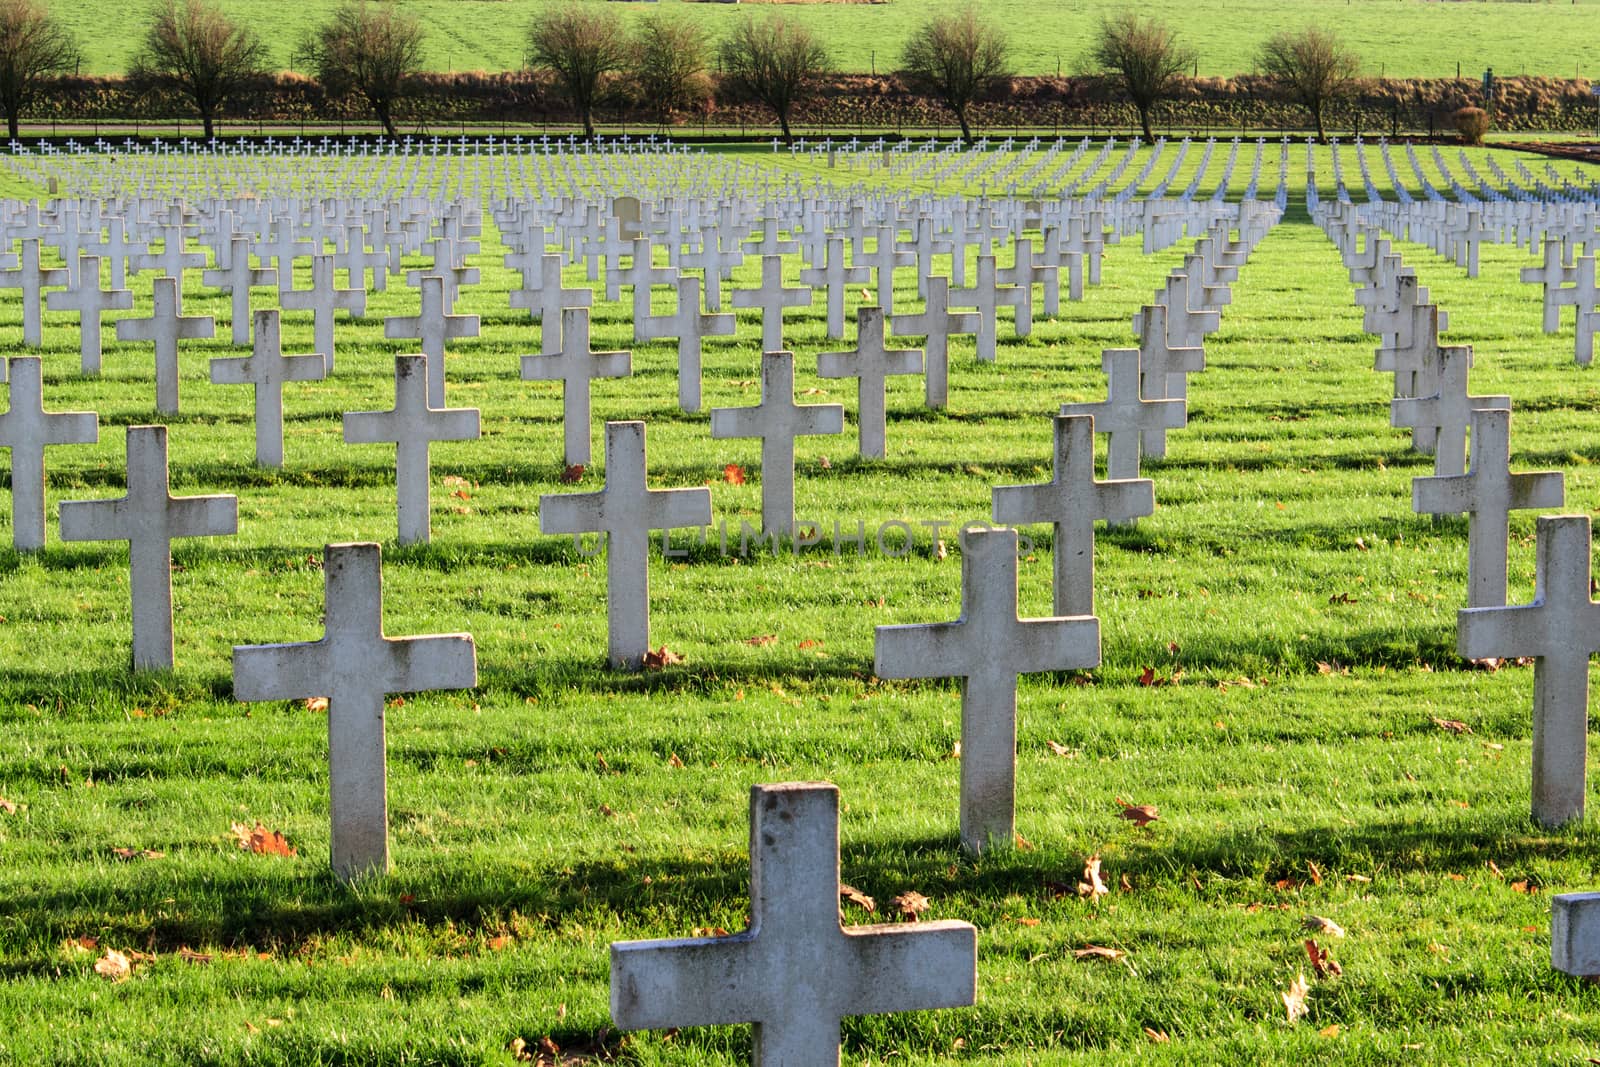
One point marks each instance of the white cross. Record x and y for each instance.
(777, 420)
(1163, 367)
(31, 279)
(267, 368)
(432, 326)
(323, 299)
(89, 301)
(987, 647)
(575, 366)
(172, 260)
(689, 325)
(1551, 274)
(834, 278)
(870, 364)
(236, 279)
(166, 327)
(936, 323)
(355, 666)
(1071, 501)
(26, 428)
(987, 298)
(797, 971)
(412, 425)
(1561, 628)
(546, 301)
(640, 275)
(1125, 415)
(882, 261)
(1447, 412)
(771, 297)
(148, 517)
(626, 510)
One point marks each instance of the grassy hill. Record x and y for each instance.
(1397, 37)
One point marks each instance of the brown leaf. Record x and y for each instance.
(1097, 952)
(708, 931)
(911, 904)
(761, 639)
(1157, 1037)
(1058, 748)
(809, 643)
(858, 898)
(113, 966)
(733, 474)
(1319, 924)
(1024, 920)
(1524, 886)
(1325, 965)
(1329, 1031)
(7, 807)
(1315, 872)
(940, 551)
(1147, 677)
(1452, 725)
(1022, 842)
(1092, 886)
(260, 840)
(1294, 999)
(572, 475)
(1139, 814)
(317, 704)
(822, 461)
(1341, 598)
(1494, 869)
(188, 955)
(1124, 884)
(660, 658)
(674, 761)
(126, 854)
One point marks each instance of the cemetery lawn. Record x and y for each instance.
(1279, 680)
(1396, 38)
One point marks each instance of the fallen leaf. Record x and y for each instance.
(940, 551)
(1097, 952)
(317, 704)
(1124, 884)
(113, 966)
(1494, 869)
(858, 898)
(660, 658)
(708, 931)
(126, 854)
(733, 474)
(1058, 748)
(674, 761)
(1147, 677)
(1452, 725)
(1329, 1031)
(1157, 1037)
(1022, 842)
(1357, 878)
(1325, 965)
(1524, 886)
(1294, 999)
(911, 904)
(761, 639)
(1139, 814)
(1341, 598)
(1092, 886)
(1315, 872)
(261, 840)
(572, 475)
(7, 807)
(822, 461)
(1023, 920)
(1318, 924)
(190, 956)
(809, 643)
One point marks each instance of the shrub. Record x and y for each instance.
(1471, 123)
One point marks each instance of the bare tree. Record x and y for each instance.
(580, 44)
(1312, 66)
(775, 60)
(196, 48)
(955, 57)
(668, 63)
(371, 49)
(1142, 53)
(33, 45)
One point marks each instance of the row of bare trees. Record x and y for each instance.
(373, 49)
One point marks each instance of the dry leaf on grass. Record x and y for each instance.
(572, 475)
(674, 762)
(1325, 965)
(1092, 886)
(857, 897)
(1058, 748)
(261, 840)
(1097, 952)
(1294, 999)
(761, 639)
(127, 854)
(113, 966)
(1157, 1037)
(188, 955)
(733, 474)
(911, 904)
(7, 806)
(661, 657)
(1320, 925)
(316, 703)
(1139, 814)
(1452, 725)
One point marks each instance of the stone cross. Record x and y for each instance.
(1071, 501)
(1447, 413)
(797, 971)
(267, 368)
(640, 274)
(323, 299)
(545, 302)
(771, 297)
(882, 261)
(988, 646)
(1561, 629)
(355, 666)
(575, 366)
(1164, 367)
(149, 517)
(688, 324)
(626, 510)
(89, 301)
(166, 327)
(1551, 274)
(412, 425)
(172, 260)
(1124, 415)
(1488, 493)
(432, 326)
(936, 323)
(27, 429)
(1575, 934)
(870, 364)
(1584, 296)
(777, 420)
(987, 297)
(236, 279)
(834, 278)
(31, 279)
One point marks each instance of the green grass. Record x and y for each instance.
(1399, 38)
(541, 816)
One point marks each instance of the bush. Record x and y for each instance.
(1471, 123)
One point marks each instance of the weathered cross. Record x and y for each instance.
(267, 368)
(1446, 413)
(89, 301)
(1124, 415)
(148, 517)
(166, 327)
(1551, 274)
(988, 646)
(412, 425)
(355, 666)
(797, 971)
(324, 299)
(31, 279)
(236, 279)
(771, 297)
(833, 278)
(626, 510)
(936, 323)
(1164, 368)
(870, 364)
(432, 326)
(1561, 629)
(640, 274)
(575, 366)
(688, 324)
(545, 302)
(987, 298)
(27, 429)
(1072, 500)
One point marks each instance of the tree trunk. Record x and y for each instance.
(381, 109)
(588, 125)
(205, 118)
(966, 128)
(1316, 115)
(783, 123)
(11, 122)
(1144, 121)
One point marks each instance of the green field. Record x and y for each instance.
(1399, 38)
(1301, 615)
